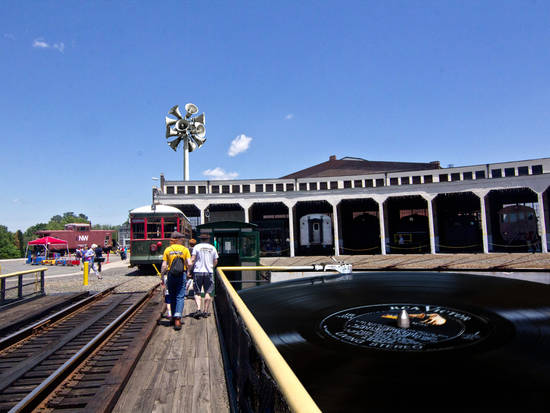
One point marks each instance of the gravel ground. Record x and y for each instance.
(127, 283)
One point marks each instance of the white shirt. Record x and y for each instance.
(204, 254)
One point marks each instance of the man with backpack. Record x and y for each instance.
(175, 261)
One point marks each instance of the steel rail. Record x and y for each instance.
(292, 389)
(34, 398)
(31, 329)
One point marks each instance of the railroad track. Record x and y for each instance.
(45, 312)
(81, 360)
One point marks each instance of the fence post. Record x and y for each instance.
(2, 290)
(20, 286)
(42, 279)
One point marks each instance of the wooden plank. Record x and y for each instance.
(164, 394)
(201, 388)
(140, 401)
(177, 371)
(218, 388)
(183, 399)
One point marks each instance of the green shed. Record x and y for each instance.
(238, 244)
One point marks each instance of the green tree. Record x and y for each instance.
(7, 244)
(30, 233)
(19, 242)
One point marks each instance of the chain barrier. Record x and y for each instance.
(364, 249)
(425, 246)
(418, 247)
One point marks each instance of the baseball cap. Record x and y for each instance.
(176, 235)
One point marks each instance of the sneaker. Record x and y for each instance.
(177, 324)
(205, 314)
(196, 315)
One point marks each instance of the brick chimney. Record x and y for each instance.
(332, 158)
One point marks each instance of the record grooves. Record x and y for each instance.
(474, 342)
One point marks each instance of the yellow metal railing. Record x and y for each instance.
(38, 282)
(293, 391)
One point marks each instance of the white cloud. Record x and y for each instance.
(289, 116)
(59, 46)
(239, 144)
(220, 174)
(41, 44)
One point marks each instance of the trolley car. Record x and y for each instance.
(150, 230)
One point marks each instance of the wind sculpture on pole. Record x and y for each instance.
(190, 131)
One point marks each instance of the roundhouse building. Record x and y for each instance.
(356, 206)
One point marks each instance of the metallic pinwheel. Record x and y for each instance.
(188, 130)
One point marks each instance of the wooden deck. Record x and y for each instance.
(179, 371)
(436, 262)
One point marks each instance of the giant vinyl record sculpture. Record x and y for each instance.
(432, 342)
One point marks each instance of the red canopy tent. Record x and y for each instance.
(48, 243)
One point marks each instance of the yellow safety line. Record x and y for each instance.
(294, 392)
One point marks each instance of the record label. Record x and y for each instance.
(431, 327)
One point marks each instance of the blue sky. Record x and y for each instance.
(86, 87)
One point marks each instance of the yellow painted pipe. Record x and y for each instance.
(86, 272)
(293, 390)
(157, 270)
(15, 274)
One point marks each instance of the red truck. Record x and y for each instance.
(80, 235)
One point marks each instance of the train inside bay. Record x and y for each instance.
(316, 233)
(150, 229)
(518, 225)
(514, 226)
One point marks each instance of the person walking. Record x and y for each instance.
(89, 256)
(99, 257)
(189, 288)
(204, 259)
(79, 254)
(176, 259)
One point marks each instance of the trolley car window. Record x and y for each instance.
(170, 225)
(138, 229)
(154, 228)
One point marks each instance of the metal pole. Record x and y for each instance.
(2, 290)
(20, 286)
(42, 282)
(186, 159)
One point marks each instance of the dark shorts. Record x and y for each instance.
(204, 279)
